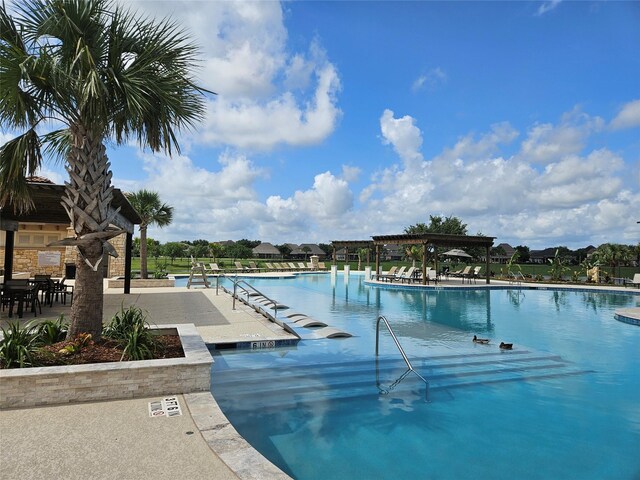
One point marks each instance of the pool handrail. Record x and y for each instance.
(397, 342)
(236, 284)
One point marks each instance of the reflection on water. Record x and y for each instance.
(364, 422)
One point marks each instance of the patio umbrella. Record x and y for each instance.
(456, 252)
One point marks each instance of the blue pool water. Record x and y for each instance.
(564, 404)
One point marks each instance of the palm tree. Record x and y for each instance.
(152, 212)
(103, 74)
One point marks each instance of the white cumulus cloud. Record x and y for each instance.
(628, 117)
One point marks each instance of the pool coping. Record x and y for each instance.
(493, 286)
(628, 315)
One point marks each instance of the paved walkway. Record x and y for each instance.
(118, 439)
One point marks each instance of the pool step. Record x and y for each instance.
(313, 383)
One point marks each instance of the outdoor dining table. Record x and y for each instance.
(19, 293)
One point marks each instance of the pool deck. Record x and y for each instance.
(118, 439)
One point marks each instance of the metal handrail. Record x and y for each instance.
(397, 342)
(236, 284)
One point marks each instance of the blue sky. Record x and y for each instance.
(342, 120)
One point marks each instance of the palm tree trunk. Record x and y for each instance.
(87, 296)
(87, 199)
(143, 251)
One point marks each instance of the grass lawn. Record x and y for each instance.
(183, 265)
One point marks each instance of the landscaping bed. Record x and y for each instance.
(104, 350)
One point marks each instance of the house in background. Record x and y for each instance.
(542, 256)
(266, 250)
(503, 257)
(393, 253)
(305, 250)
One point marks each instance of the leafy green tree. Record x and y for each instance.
(363, 254)
(175, 250)
(216, 250)
(558, 266)
(249, 243)
(524, 255)
(152, 212)
(285, 250)
(102, 74)
(238, 250)
(326, 248)
(439, 224)
(413, 253)
(613, 255)
(199, 251)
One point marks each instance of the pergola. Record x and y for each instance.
(48, 209)
(434, 240)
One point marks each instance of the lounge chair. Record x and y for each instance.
(432, 276)
(391, 272)
(464, 273)
(253, 267)
(321, 266)
(471, 275)
(270, 267)
(292, 266)
(408, 276)
(635, 282)
(303, 267)
(394, 276)
(240, 267)
(214, 268)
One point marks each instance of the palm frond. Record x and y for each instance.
(19, 158)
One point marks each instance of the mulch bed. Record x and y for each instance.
(104, 350)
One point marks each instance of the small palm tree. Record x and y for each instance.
(152, 212)
(102, 73)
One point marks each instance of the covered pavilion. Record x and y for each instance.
(435, 240)
(48, 209)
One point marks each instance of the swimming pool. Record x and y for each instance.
(565, 403)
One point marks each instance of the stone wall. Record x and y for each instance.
(116, 265)
(25, 259)
(142, 283)
(30, 387)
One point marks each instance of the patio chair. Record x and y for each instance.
(61, 290)
(635, 282)
(394, 276)
(254, 266)
(214, 268)
(408, 276)
(464, 273)
(391, 272)
(432, 276)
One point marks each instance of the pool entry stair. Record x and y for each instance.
(298, 324)
(275, 387)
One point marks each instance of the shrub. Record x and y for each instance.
(18, 346)
(124, 322)
(131, 330)
(138, 345)
(81, 341)
(50, 331)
